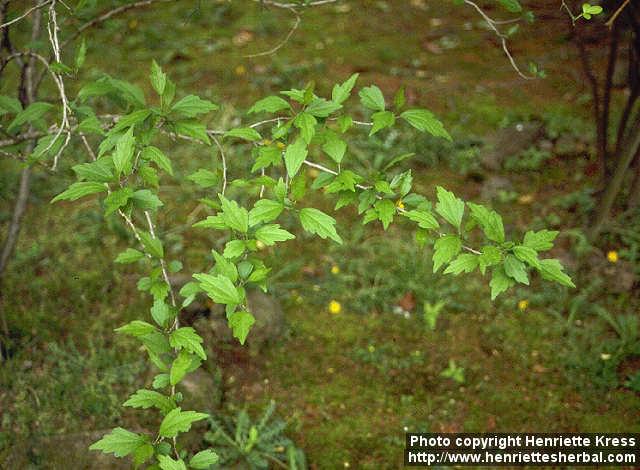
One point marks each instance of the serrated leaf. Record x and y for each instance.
(152, 245)
(160, 381)
(119, 442)
(245, 133)
(341, 93)
(180, 366)
(322, 108)
(216, 222)
(425, 121)
(541, 240)
(234, 216)
(146, 200)
(31, 113)
(551, 270)
(123, 155)
(500, 282)
(490, 256)
(307, 125)
(204, 459)
(334, 146)
(381, 120)
(425, 219)
(528, 255)
(130, 255)
(316, 221)
(148, 398)
(385, 208)
(267, 156)
(465, 262)
(270, 104)
(158, 78)
(78, 190)
(219, 288)
(187, 338)
(372, 98)
(98, 171)
(136, 328)
(130, 120)
(272, 233)
(204, 178)
(167, 463)
(264, 210)
(116, 200)
(155, 155)
(160, 312)
(179, 421)
(234, 249)
(515, 269)
(445, 249)
(294, 156)
(194, 129)
(490, 222)
(449, 207)
(240, 324)
(192, 106)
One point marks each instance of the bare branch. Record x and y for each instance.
(25, 14)
(281, 43)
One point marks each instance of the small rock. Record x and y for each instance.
(508, 142)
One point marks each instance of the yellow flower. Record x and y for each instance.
(266, 142)
(523, 305)
(240, 70)
(260, 245)
(612, 256)
(280, 145)
(335, 307)
(400, 204)
(335, 269)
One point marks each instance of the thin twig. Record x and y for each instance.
(25, 14)
(615, 15)
(274, 49)
(224, 164)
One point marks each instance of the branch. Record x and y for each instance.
(615, 15)
(281, 43)
(25, 14)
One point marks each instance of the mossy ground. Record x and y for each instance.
(351, 383)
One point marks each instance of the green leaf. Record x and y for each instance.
(179, 421)
(334, 146)
(219, 288)
(341, 93)
(295, 156)
(128, 256)
(160, 381)
(465, 262)
(424, 218)
(445, 249)
(449, 207)
(425, 121)
(32, 113)
(552, 270)
(372, 98)
(270, 104)
(187, 338)
(588, 10)
(130, 120)
(500, 282)
(246, 133)
(158, 78)
(264, 210)
(540, 241)
(167, 463)
(267, 156)
(322, 108)
(146, 200)
(98, 171)
(307, 125)
(91, 125)
(240, 323)
(180, 367)
(194, 129)
(512, 6)
(78, 190)
(119, 442)
(490, 256)
(345, 181)
(192, 105)
(234, 216)
(9, 104)
(216, 222)
(515, 269)
(155, 155)
(116, 200)
(385, 208)
(152, 245)
(234, 249)
(148, 398)
(272, 233)
(323, 225)
(489, 220)
(204, 459)
(123, 156)
(344, 123)
(204, 178)
(381, 120)
(160, 312)
(136, 328)
(528, 255)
